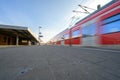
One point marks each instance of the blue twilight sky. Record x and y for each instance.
(53, 15)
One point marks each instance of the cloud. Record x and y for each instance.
(50, 33)
(94, 4)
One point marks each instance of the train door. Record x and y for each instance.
(62, 42)
(89, 37)
(89, 41)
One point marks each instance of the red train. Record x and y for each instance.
(102, 27)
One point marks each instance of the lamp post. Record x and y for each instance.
(39, 35)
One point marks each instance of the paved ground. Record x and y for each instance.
(59, 63)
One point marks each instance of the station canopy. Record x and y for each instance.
(23, 32)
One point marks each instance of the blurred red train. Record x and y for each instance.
(102, 27)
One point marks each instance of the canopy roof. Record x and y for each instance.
(23, 32)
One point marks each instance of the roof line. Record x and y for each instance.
(13, 27)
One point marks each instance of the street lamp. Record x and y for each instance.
(39, 35)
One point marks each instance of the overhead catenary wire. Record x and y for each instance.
(70, 22)
(86, 7)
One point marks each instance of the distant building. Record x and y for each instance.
(16, 35)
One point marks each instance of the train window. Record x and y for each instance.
(89, 30)
(111, 19)
(111, 27)
(111, 24)
(76, 33)
(66, 36)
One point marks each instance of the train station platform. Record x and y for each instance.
(59, 63)
(109, 47)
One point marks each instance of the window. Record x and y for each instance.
(89, 30)
(111, 24)
(24, 41)
(111, 19)
(66, 36)
(76, 33)
(111, 27)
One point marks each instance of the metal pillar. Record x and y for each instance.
(39, 35)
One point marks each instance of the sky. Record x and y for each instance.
(52, 15)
